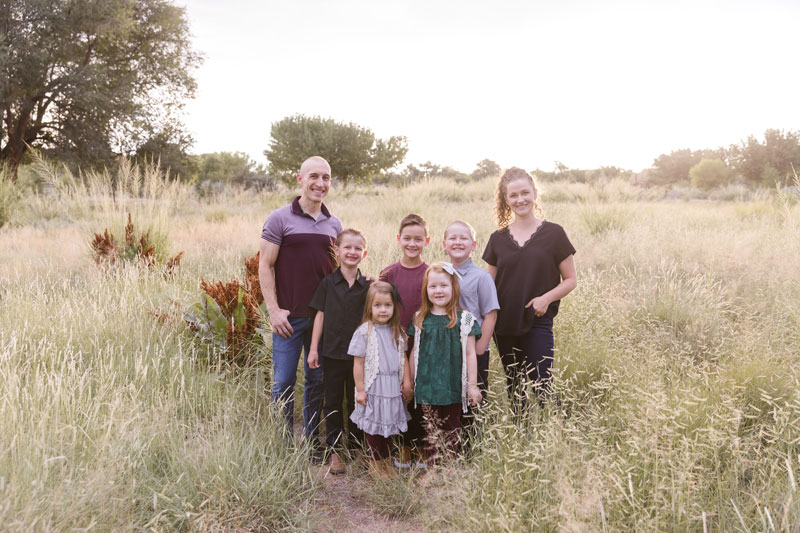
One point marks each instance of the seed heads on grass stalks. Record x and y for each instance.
(600, 219)
(142, 249)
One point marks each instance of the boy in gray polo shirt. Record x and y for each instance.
(478, 293)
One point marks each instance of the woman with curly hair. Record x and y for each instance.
(531, 260)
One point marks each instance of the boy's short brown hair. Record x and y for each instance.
(350, 231)
(413, 220)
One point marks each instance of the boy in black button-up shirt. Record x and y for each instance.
(339, 305)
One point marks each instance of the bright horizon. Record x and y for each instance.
(522, 83)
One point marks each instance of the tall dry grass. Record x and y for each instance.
(677, 361)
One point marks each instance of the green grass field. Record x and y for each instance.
(677, 358)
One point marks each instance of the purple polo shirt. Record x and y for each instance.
(409, 285)
(305, 256)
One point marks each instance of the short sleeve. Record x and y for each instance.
(476, 330)
(487, 295)
(318, 300)
(358, 344)
(384, 275)
(338, 226)
(476, 327)
(410, 331)
(273, 228)
(489, 254)
(562, 247)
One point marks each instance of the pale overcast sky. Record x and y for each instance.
(525, 83)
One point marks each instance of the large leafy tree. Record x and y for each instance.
(775, 160)
(89, 78)
(354, 153)
(486, 168)
(168, 149)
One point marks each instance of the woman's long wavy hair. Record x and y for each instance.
(502, 210)
(427, 305)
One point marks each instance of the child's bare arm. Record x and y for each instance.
(408, 387)
(358, 377)
(487, 329)
(316, 334)
(473, 392)
(409, 353)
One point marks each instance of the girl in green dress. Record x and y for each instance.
(443, 363)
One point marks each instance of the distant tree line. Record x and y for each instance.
(227, 168)
(413, 173)
(357, 156)
(575, 175)
(753, 162)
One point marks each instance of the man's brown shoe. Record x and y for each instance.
(337, 467)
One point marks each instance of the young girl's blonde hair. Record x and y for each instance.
(502, 210)
(382, 287)
(427, 305)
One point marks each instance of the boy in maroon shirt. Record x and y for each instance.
(407, 274)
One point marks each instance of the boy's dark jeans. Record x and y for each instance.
(338, 384)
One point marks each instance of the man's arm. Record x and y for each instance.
(279, 318)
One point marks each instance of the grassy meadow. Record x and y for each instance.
(677, 359)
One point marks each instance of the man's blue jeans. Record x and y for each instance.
(285, 356)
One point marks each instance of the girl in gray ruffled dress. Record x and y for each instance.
(382, 375)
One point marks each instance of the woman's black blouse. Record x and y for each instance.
(525, 272)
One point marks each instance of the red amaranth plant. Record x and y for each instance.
(228, 314)
(142, 250)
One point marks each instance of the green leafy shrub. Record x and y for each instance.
(709, 173)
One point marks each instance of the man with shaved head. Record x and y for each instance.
(295, 255)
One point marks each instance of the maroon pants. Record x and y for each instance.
(442, 429)
(379, 446)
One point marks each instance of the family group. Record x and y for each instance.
(408, 354)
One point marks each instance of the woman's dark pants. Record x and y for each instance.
(528, 358)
